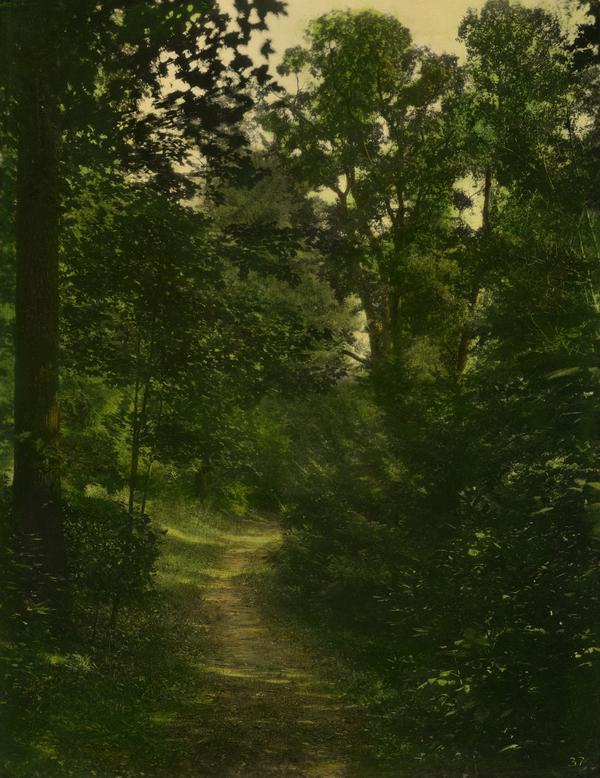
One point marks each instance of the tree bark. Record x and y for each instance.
(36, 486)
(146, 486)
(135, 441)
(466, 335)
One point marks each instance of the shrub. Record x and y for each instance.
(111, 555)
(452, 558)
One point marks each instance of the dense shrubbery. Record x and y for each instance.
(111, 554)
(48, 673)
(442, 508)
(477, 619)
(111, 557)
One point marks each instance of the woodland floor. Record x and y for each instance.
(270, 711)
(203, 680)
(206, 680)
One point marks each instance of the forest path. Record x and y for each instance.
(271, 713)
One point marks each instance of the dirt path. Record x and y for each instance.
(272, 714)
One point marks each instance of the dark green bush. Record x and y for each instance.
(458, 573)
(111, 555)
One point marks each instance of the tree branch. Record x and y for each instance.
(356, 357)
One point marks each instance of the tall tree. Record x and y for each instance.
(82, 68)
(587, 59)
(371, 120)
(517, 102)
(36, 462)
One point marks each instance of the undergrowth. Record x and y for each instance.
(105, 702)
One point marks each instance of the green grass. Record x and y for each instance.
(109, 709)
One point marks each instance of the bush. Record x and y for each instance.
(451, 558)
(111, 555)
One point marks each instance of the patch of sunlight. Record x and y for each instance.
(175, 579)
(163, 717)
(56, 659)
(46, 749)
(222, 539)
(252, 540)
(326, 770)
(185, 537)
(247, 675)
(220, 573)
(325, 708)
(247, 632)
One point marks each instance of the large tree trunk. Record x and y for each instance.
(37, 493)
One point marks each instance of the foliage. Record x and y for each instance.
(376, 121)
(103, 702)
(379, 320)
(441, 522)
(197, 322)
(112, 555)
(479, 624)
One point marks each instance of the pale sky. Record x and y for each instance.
(432, 22)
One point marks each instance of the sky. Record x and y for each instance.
(432, 22)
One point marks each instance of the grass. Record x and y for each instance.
(108, 709)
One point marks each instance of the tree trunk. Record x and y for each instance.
(140, 414)
(134, 459)
(375, 314)
(466, 335)
(37, 491)
(146, 486)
